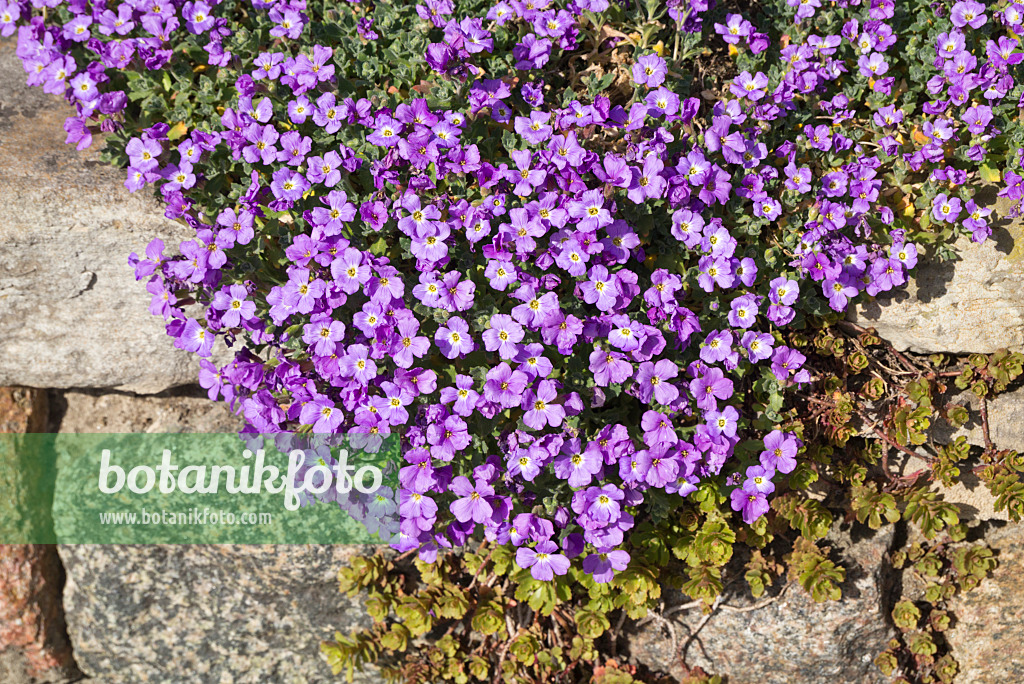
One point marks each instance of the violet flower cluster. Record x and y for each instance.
(561, 327)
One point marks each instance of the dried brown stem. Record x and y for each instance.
(483, 564)
(984, 424)
(891, 442)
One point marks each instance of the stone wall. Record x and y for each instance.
(967, 306)
(73, 319)
(71, 313)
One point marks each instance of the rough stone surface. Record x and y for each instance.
(973, 305)
(33, 641)
(201, 613)
(206, 613)
(791, 639)
(182, 410)
(987, 638)
(22, 409)
(71, 313)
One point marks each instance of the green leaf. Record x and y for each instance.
(990, 174)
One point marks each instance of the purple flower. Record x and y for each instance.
(650, 70)
(968, 13)
(447, 438)
(572, 257)
(543, 561)
(197, 17)
(786, 361)
(143, 153)
(751, 87)
(715, 271)
(609, 368)
(885, 274)
(77, 29)
(722, 422)
(535, 311)
(322, 414)
(602, 504)
(566, 151)
(195, 338)
(505, 386)
(524, 464)
(501, 274)
(975, 222)
(289, 23)
(601, 290)
(532, 362)
(232, 301)
(289, 185)
(783, 292)
(454, 339)
(408, 346)
(9, 14)
(759, 479)
(524, 177)
(590, 211)
(299, 110)
(262, 148)
(532, 53)
(534, 129)
(576, 466)
(743, 311)
(647, 183)
(735, 27)
(325, 170)
(758, 345)
(503, 336)
(658, 429)
(780, 450)
(473, 502)
(626, 335)
(604, 564)
(873, 65)
(752, 503)
(462, 397)
(357, 364)
(212, 380)
(652, 381)
(438, 56)
(709, 387)
(717, 347)
(945, 208)
(656, 466)
(539, 407)
(322, 334)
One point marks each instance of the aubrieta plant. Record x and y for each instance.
(536, 247)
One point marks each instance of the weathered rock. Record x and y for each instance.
(24, 516)
(182, 410)
(33, 640)
(791, 639)
(206, 613)
(71, 313)
(200, 613)
(972, 305)
(986, 638)
(22, 409)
